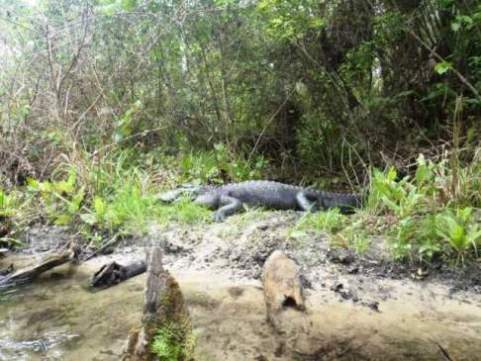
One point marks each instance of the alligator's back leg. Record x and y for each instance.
(228, 206)
(306, 201)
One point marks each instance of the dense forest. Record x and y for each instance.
(103, 102)
(224, 180)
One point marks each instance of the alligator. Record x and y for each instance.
(230, 198)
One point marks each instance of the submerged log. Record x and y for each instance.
(165, 318)
(282, 286)
(113, 273)
(28, 274)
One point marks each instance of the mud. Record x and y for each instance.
(359, 308)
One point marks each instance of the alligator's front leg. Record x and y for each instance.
(306, 202)
(228, 206)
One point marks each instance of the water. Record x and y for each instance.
(59, 318)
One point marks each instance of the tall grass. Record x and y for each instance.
(112, 196)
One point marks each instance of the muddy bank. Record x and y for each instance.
(59, 319)
(358, 308)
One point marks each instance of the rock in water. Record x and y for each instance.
(165, 320)
(282, 286)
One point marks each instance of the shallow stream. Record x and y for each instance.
(350, 315)
(59, 318)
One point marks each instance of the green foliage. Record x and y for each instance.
(331, 221)
(354, 236)
(427, 219)
(166, 345)
(182, 211)
(62, 199)
(170, 344)
(401, 198)
(219, 166)
(460, 230)
(305, 84)
(113, 197)
(290, 19)
(311, 89)
(14, 214)
(7, 204)
(343, 231)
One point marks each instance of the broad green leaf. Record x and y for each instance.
(455, 26)
(443, 67)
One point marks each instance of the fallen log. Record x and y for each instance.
(282, 286)
(113, 273)
(166, 326)
(29, 273)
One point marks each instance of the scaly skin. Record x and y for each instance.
(228, 199)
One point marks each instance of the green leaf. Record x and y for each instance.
(443, 67)
(100, 207)
(129, 5)
(63, 220)
(455, 26)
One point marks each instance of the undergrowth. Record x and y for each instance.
(170, 344)
(117, 193)
(431, 215)
(219, 166)
(15, 214)
(345, 231)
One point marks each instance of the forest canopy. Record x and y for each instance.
(311, 89)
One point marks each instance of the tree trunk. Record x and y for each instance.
(282, 286)
(165, 320)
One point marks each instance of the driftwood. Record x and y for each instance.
(113, 273)
(28, 274)
(282, 286)
(164, 309)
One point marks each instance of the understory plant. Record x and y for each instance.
(219, 166)
(171, 344)
(428, 217)
(14, 217)
(108, 198)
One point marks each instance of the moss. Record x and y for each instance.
(174, 343)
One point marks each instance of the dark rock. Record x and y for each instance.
(345, 292)
(373, 305)
(341, 255)
(353, 270)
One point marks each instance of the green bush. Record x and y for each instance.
(428, 218)
(219, 166)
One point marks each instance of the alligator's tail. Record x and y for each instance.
(346, 202)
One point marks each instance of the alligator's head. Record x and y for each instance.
(186, 190)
